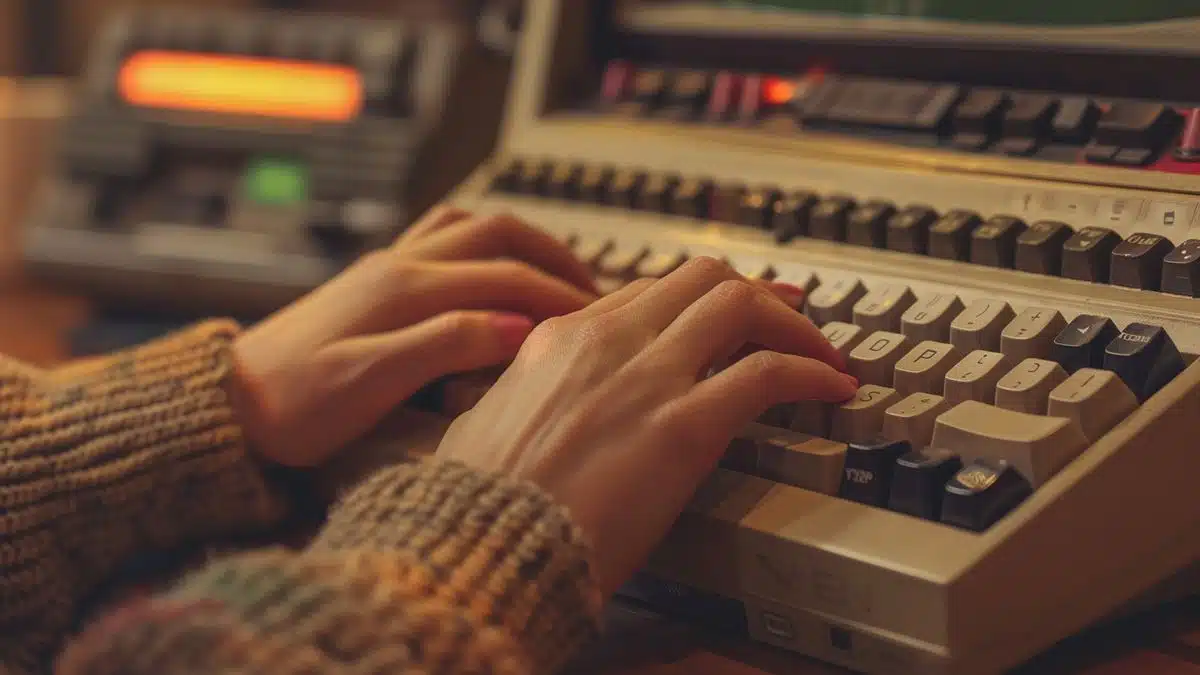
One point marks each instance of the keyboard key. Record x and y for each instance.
(659, 265)
(843, 336)
(1137, 262)
(1027, 124)
(978, 117)
(1035, 445)
(828, 219)
(912, 418)
(867, 224)
(1097, 400)
(656, 193)
(725, 203)
(1082, 342)
(563, 181)
(983, 493)
(1087, 254)
(1145, 357)
(874, 359)
(919, 482)
(1075, 119)
(741, 455)
(622, 262)
(752, 268)
(1027, 387)
(882, 308)
(793, 213)
(757, 209)
(812, 417)
(692, 198)
(979, 325)
(1031, 334)
(834, 301)
(1181, 270)
(1040, 248)
(930, 318)
(589, 251)
(975, 377)
(594, 183)
(950, 236)
(862, 416)
(995, 242)
(908, 230)
(798, 277)
(799, 460)
(867, 476)
(924, 368)
(625, 188)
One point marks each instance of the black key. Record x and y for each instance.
(594, 183)
(983, 493)
(108, 201)
(649, 87)
(625, 188)
(726, 202)
(977, 120)
(758, 207)
(686, 94)
(691, 198)
(563, 181)
(1181, 270)
(908, 230)
(867, 473)
(1027, 125)
(919, 481)
(1137, 262)
(1086, 255)
(741, 455)
(1075, 120)
(995, 242)
(533, 177)
(1145, 357)
(1039, 249)
(656, 193)
(1082, 342)
(793, 214)
(885, 104)
(508, 178)
(1137, 125)
(867, 224)
(950, 236)
(828, 218)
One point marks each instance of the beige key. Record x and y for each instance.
(812, 417)
(874, 359)
(659, 265)
(591, 250)
(1097, 399)
(924, 368)
(1031, 335)
(607, 285)
(621, 262)
(463, 392)
(1035, 445)
(979, 325)
(800, 278)
(799, 460)
(861, 418)
(758, 270)
(912, 418)
(778, 415)
(843, 336)
(834, 301)
(1026, 388)
(930, 318)
(882, 308)
(975, 377)
(741, 455)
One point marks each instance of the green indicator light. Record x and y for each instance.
(276, 182)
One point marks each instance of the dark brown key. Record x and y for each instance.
(908, 230)
(867, 224)
(995, 242)
(1040, 248)
(950, 236)
(1137, 262)
(1087, 254)
(828, 219)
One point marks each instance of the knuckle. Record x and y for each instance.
(708, 267)
(736, 294)
(497, 225)
(459, 329)
(768, 365)
(520, 273)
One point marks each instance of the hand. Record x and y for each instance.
(610, 411)
(453, 294)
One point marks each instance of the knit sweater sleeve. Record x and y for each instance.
(105, 459)
(429, 568)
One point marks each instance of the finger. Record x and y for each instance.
(735, 315)
(387, 368)
(617, 298)
(504, 236)
(716, 409)
(657, 306)
(435, 219)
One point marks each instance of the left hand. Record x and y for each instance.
(453, 294)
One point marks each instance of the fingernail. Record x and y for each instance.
(512, 328)
(852, 382)
(795, 294)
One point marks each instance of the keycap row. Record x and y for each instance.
(1143, 261)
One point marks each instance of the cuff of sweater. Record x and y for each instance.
(133, 450)
(502, 550)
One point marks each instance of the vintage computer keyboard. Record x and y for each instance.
(1007, 253)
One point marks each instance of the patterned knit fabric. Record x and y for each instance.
(426, 568)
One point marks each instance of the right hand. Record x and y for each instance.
(610, 411)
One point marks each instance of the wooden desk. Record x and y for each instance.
(33, 322)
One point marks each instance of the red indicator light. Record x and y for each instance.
(777, 92)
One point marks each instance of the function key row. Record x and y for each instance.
(1141, 261)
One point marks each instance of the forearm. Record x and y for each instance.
(108, 458)
(427, 568)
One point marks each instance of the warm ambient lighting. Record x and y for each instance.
(241, 85)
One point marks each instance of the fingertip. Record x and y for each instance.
(792, 296)
(512, 329)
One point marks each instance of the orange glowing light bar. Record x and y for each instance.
(241, 85)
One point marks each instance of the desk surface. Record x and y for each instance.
(34, 322)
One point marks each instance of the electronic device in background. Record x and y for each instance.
(996, 212)
(231, 161)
